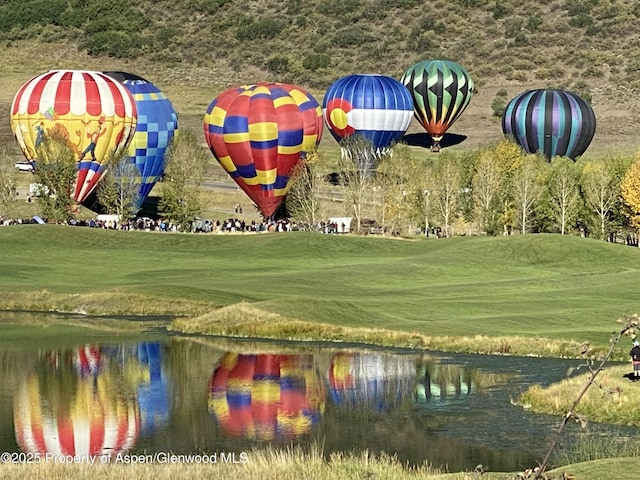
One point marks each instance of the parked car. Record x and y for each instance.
(24, 167)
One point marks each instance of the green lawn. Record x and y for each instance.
(540, 285)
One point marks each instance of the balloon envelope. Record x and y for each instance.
(93, 112)
(552, 122)
(156, 126)
(378, 107)
(441, 91)
(259, 133)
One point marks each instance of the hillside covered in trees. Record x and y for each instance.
(584, 44)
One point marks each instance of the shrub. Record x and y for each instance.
(278, 64)
(112, 43)
(315, 61)
(352, 37)
(337, 8)
(497, 106)
(500, 10)
(263, 29)
(534, 22)
(581, 21)
(513, 27)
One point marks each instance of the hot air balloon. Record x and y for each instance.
(377, 107)
(552, 122)
(93, 112)
(157, 124)
(259, 133)
(64, 412)
(266, 396)
(441, 90)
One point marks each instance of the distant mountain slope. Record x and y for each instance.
(588, 46)
(566, 41)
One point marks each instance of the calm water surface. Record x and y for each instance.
(187, 395)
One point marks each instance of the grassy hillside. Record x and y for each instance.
(194, 49)
(312, 41)
(534, 286)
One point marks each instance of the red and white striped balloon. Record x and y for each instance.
(94, 113)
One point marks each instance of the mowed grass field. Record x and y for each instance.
(551, 286)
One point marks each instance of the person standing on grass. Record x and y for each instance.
(635, 359)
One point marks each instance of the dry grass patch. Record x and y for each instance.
(613, 399)
(268, 464)
(102, 303)
(246, 320)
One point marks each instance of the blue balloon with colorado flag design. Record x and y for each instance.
(378, 107)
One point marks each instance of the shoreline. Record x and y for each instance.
(238, 323)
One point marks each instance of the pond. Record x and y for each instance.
(172, 394)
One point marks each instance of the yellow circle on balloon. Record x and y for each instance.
(339, 118)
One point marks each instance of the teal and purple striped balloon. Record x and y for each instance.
(552, 122)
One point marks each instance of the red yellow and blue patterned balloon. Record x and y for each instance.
(94, 113)
(259, 133)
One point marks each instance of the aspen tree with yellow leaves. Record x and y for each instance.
(400, 180)
(600, 187)
(493, 174)
(447, 176)
(562, 193)
(630, 193)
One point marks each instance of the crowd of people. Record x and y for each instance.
(198, 225)
(230, 225)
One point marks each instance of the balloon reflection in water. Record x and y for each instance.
(66, 407)
(441, 383)
(265, 396)
(141, 364)
(153, 390)
(379, 382)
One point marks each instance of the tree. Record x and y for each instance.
(7, 179)
(446, 192)
(303, 199)
(600, 189)
(398, 180)
(487, 183)
(527, 187)
(424, 188)
(118, 189)
(356, 168)
(630, 193)
(186, 165)
(55, 175)
(562, 192)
